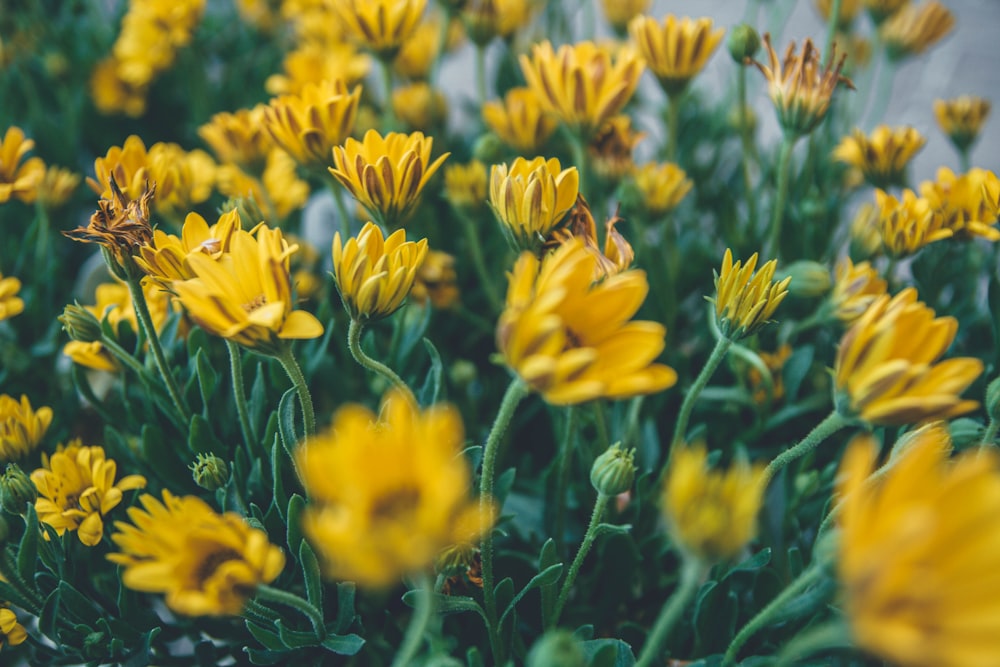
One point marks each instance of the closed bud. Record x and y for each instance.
(743, 43)
(614, 471)
(80, 324)
(17, 491)
(247, 207)
(210, 472)
(463, 373)
(488, 148)
(809, 279)
(965, 432)
(993, 399)
(558, 648)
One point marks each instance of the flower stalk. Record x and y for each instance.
(315, 616)
(354, 343)
(419, 623)
(781, 198)
(722, 345)
(574, 569)
(294, 372)
(692, 572)
(833, 423)
(239, 393)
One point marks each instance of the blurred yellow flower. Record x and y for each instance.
(774, 362)
(308, 124)
(206, 563)
(572, 339)
(316, 62)
(21, 428)
(10, 303)
(916, 553)
(855, 287)
(279, 191)
(379, 25)
(239, 138)
(486, 19)
(17, 180)
(436, 281)
(12, 633)
(419, 105)
(711, 515)
(745, 299)
(420, 51)
(662, 186)
(183, 178)
(165, 259)
(908, 224)
(887, 369)
(912, 29)
(151, 33)
(800, 87)
(128, 164)
(611, 148)
(374, 274)
(849, 10)
(245, 295)
(675, 50)
(962, 118)
(386, 174)
(881, 156)
(465, 186)
(582, 84)
(880, 10)
(57, 186)
(620, 12)
(531, 197)
(520, 120)
(382, 507)
(112, 94)
(968, 204)
(77, 489)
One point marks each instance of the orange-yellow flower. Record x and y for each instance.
(520, 120)
(276, 193)
(56, 187)
(849, 10)
(486, 19)
(465, 186)
(968, 204)
(617, 254)
(21, 428)
(620, 12)
(888, 370)
(662, 186)
(239, 138)
(882, 156)
(310, 123)
(855, 287)
(909, 223)
(912, 29)
(380, 25)
(746, 297)
(572, 339)
(962, 118)
(10, 303)
(165, 259)
(17, 180)
(675, 50)
(531, 197)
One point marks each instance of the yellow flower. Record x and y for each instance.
(120, 225)
(183, 178)
(436, 281)
(239, 138)
(21, 428)
(18, 181)
(165, 259)
(887, 369)
(676, 50)
(389, 492)
(849, 10)
(151, 33)
(570, 338)
(315, 62)
(531, 197)
(916, 553)
(745, 299)
(10, 303)
(374, 274)
(774, 362)
(962, 118)
(419, 52)
(880, 10)
(486, 19)
(882, 156)
(582, 84)
(12, 633)
(799, 87)
(913, 29)
(908, 224)
(465, 185)
(386, 174)
(711, 515)
(380, 25)
(112, 94)
(617, 255)
(279, 190)
(57, 186)
(245, 295)
(206, 563)
(77, 489)
(855, 287)
(419, 105)
(620, 12)
(866, 239)
(310, 123)
(611, 148)
(662, 186)
(519, 120)
(128, 165)
(968, 204)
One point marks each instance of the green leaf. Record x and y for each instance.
(258, 399)
(27, 551)
(76, 604)
(807, 604)
(208, 378)
(447, 604)
(548, 557)
(602, 529)
(796, 369)
(49, 617)
(140, 657)
(503, 485)
(265, 657)
(546, 577)
(286, 421)
(752, 564)
(474, 658)
(293, 517)
(265, 636)
(163, 459)
(294, 638)
(345, 606)
(994, 300)
(280, 498)
(311, 573)
(431, 389)
(201, 439)
(343, 644)
(608, 653)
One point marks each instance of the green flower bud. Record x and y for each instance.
(993, 400)
(488, 148)
(17, 491)
(809, 279)
(210, 472)
(965, 432)
(462, 373)
(743, 43)
(80, 324)
(249, 210)
(614, 471)
(558, 648)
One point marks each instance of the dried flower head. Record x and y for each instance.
(611, 148)
(120, 226)
(617, 254)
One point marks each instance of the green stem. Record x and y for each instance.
(294, 372)
(354, 343)
(673, 125)
(831, 32)
(479, 262)
(601, 424)
(516, 391)
(345, 219)
(388, 113)
(964, 160)
(747, 138)
(692, 572)
(239, 393)
(146, 321)
(481, 74)
(990, 437)
(833, 423)
(123, 356)
(764, 616)
(829, 635)
(315, 616)
(784, 174)
(42, 254)
(722, 346)
(581, 554)
(419, 623)
(562, 474)
(578, 146)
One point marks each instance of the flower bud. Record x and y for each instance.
(16, 490)
(488, 148)
(80, 324)
(210, 472)
(558, 648)
(455, 559)
(614, 471)
(743, 43)
(809, 279)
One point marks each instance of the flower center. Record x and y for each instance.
(256, 303)
(397, 505)
(211, 563)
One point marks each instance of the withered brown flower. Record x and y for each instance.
(120, 225)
